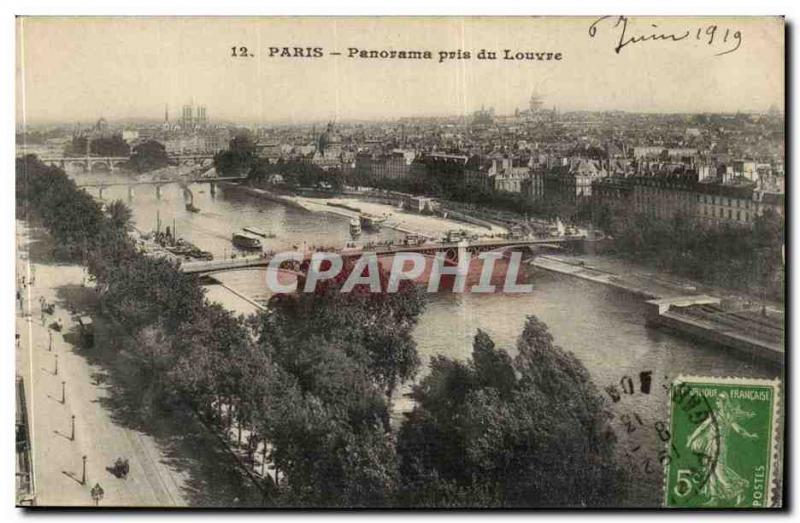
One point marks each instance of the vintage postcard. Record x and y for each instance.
(400, 262)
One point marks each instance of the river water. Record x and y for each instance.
(602, 326)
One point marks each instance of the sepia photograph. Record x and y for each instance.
(335, 262)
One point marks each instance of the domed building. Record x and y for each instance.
(330, 143)
(329, 149)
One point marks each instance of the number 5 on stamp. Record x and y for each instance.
(723, 452)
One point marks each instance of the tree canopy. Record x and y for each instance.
(531, 431)
(112, 145)
(148, 156)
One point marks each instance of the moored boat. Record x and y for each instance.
(246, 241)
(370, 222)
(355, 228)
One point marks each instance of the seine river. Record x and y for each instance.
(602, 326)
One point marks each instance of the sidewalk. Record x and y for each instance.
(173, 461)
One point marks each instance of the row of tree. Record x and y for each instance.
(311, 380)
(240, 159)
(112, 145)
(447, 184)
(748, 258)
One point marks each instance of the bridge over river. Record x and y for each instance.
(89, 162)
(131, 184)
(209, 179)
(451, 249)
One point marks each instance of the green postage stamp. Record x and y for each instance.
(722, 450)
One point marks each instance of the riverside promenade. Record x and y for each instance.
(174, 460)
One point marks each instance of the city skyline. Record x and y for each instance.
(91, 121)
(192, 61)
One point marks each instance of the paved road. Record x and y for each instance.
(173, 460)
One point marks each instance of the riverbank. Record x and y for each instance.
(732, 324)
(409, 223)
(641, 280)
(646, 288)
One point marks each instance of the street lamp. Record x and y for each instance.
(97, 494)
(83, 476)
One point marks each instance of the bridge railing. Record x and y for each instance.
(210, 265)
(250, 261)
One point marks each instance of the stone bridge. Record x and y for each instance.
(109, 163)
(131, 184)
(88, 163)
(452, 252)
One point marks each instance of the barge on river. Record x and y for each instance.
(246, 241)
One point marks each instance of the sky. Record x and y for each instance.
(81, 69)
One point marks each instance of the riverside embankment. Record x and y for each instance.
(352, 206)
(707, 314)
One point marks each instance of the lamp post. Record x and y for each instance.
(72, 437)
(97, 494)
(83, 476)
(63, 392)
(55, 369)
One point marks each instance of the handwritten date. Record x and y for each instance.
(712, 35)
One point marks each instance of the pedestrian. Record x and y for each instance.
(19, 299)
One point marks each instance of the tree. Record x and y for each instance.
(532, 431)
(148, 156)
(142, 291)
(121, 215)
(112, 145)
(243, 143)
(374, 328)
(77, 147)
(73, 217)
(339, 356)
(749, 258)
(325, 462)
(240, 156)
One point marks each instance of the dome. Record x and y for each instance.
(329, 138)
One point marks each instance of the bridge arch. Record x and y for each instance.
(104, 164)
(80, 162)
